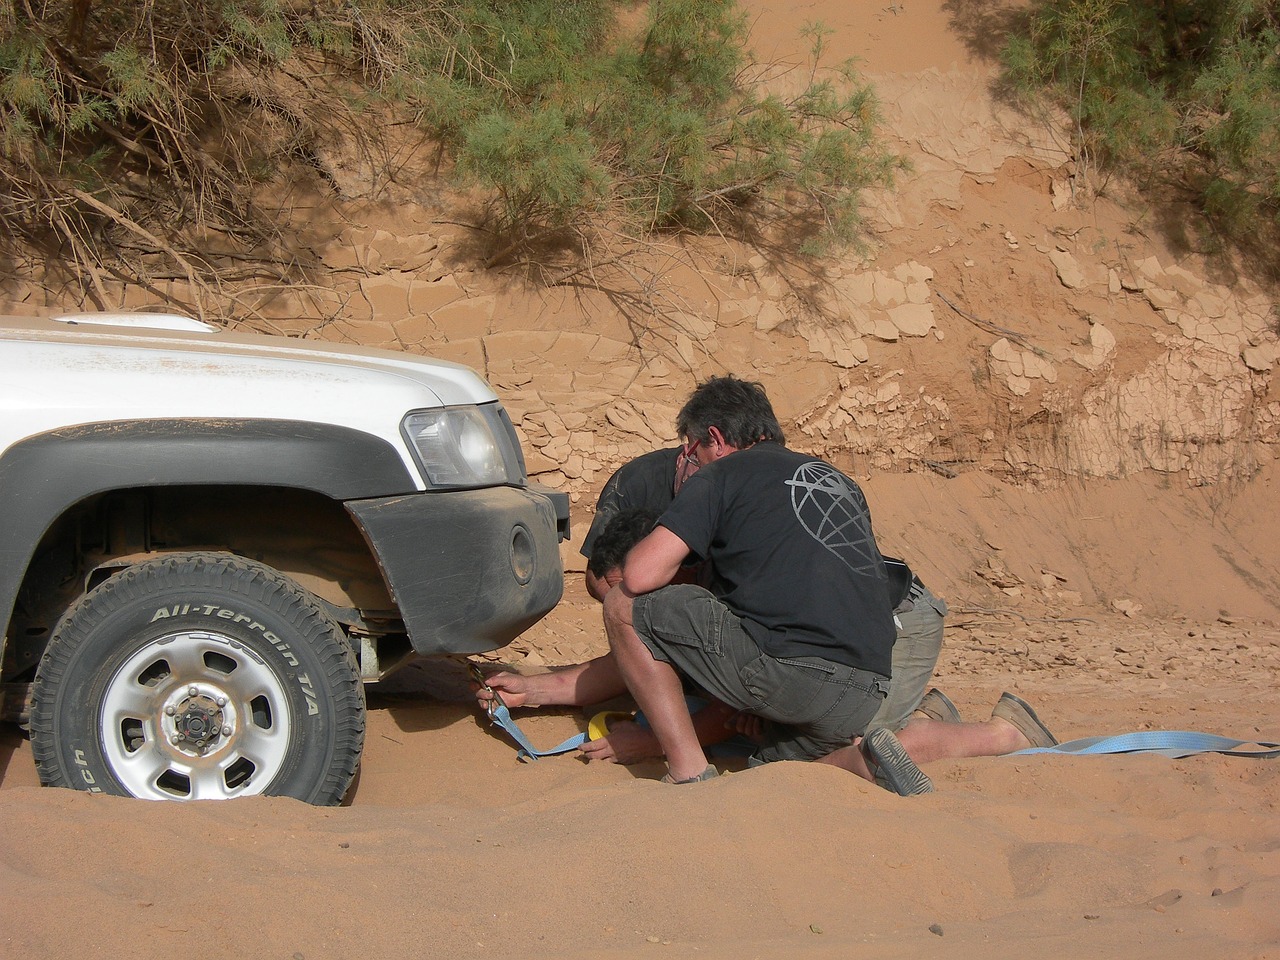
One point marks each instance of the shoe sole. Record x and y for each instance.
(895, 765)
(936, 705)
(1018, 712)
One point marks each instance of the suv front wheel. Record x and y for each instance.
(199, 676)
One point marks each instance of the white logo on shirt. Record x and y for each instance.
(833, 511)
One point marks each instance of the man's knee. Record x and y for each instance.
(617, 610)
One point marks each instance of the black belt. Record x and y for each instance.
(915, 592)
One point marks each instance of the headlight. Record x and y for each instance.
(463, 447)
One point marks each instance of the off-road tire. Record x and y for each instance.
(199, 676)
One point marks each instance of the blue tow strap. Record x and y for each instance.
(499, 715)
(526, 751)
(1168, 743)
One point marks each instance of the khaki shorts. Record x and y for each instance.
(915, 656)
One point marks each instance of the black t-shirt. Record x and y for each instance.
(794, 555)
(648, 481)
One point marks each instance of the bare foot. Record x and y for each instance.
(850, 758)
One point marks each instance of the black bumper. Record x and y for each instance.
(469, 570)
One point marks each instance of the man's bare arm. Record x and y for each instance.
(654, 561)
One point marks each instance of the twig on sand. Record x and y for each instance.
(938, 467)
(990, 327)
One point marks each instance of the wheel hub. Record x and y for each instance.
(198, 720)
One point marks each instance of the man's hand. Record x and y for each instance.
(626, 742)
(746, 724)
(515, 690)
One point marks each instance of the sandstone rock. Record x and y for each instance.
(1069, 272)
(918, 292)
(572, 467)
(687, 351)
(1261, 358)
(552, 425)
(733, 312)
(1184, 281)
(468, 352)
(840, 346)
(1148, 270)
(557, 448)
(695, 325)
(537, 462)
(1209, 303)
(661, 419)
(1102, 344)
(625, 417)
(516, 347)
(368, 333)
(465, 318)
(889, 291)
(387, 296)
(1162, 299)
(769, 316)
(913, 272)
(427, 296)
(418, 330)
(913, 320)
(410, 252)
(862, 322)
(882, 328)
(1035, 366)
(1126, 606)
(1005, 352)
(858, 287)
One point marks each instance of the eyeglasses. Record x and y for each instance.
(686, 465)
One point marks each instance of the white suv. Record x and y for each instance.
(211, 540)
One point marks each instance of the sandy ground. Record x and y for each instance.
(1113, 607)
(450, 847)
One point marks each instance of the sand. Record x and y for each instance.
(1112, 605)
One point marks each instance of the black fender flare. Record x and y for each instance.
(42, 476)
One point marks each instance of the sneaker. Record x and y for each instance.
(899, 772)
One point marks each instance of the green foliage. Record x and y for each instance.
(1189, 89)
(159, 120)
(660, 128)
(545, 170)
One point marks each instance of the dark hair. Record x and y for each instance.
(626, 529)
(739, 409)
